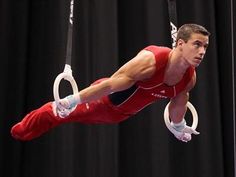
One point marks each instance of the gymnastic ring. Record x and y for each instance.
(66, 75)
(194, 116)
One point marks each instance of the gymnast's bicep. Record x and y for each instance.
(139, 68)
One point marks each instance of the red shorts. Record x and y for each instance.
(99, 111)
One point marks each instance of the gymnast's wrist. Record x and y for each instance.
(73, 100)
(179, 126)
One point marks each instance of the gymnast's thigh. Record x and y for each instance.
(95, 112)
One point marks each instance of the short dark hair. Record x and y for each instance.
(186, 30)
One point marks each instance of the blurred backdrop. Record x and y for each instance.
(108, 33)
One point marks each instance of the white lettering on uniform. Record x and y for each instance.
(158, 95)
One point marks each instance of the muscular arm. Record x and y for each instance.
(177, 107)
(139, 68)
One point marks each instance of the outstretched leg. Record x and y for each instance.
(43, 119)
(36, 123)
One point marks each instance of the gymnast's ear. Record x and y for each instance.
(180, 42)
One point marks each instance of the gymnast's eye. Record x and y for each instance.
(197, 44)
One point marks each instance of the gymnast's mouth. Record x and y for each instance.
(198, 58)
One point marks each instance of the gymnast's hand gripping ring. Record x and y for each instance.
(167, 119)
(66, 75)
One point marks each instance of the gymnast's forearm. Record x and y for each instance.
(104, 88)
(178, 107)
(177, 112)
(93, 92)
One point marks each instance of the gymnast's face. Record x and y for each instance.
(194, 49)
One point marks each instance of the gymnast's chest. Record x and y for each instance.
(157, 92)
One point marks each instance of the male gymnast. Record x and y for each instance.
(154, 73)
